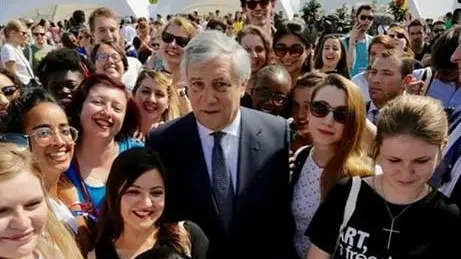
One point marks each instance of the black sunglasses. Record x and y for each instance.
(439, 30)
(9, 90)
(295, 50)
(169, 38)
(17, 139)
(364, 17)
(252, 4)
(398, 35)
(277, 99)
(36, 34)
(321, 109)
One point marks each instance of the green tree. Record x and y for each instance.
(153, 1)
(309, 10)
(341, 12)
(397, 11)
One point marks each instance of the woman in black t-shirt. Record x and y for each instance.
(397, 215)
(132, 225)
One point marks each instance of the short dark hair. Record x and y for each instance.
(79, 16)
(438, 22)
(268, 72)
(407, 65)
(365, 7)
(62, 60)
(441, 53)
(418, 22)
(132, 119)
(215, 24)
(30, 97)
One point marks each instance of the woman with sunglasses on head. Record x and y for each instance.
(337, 127)
(27, 228)
(259, 46)
(293, 48)
(62, 71)
(11, 88)
(331, 56)
(156, 98)
(12, 57)
(397, 214)
(106, 117)
(132, 224)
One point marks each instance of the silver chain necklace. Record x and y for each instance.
(391, 229)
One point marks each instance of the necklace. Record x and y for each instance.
(391, 229)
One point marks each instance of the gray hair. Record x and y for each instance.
(210, 45)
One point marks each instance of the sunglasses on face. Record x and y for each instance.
(252, 4)
(169, 38)
(397, 35)
(155, 45)
(439, 31)
(277, 99)
(9, 90)
(295, 50)
(17, 139)
(321, 109)
(366, 17)
(36, 34)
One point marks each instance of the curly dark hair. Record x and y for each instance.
(13, 77)
(30, 97)
(132, 119)
(62, 60)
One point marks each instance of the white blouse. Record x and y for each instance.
(63, 214)
(306, 200)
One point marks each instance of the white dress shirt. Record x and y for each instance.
(229, 143)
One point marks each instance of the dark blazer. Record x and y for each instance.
(261, 224)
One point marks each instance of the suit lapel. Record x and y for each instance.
(249, 148)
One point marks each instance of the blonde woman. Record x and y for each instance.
(156, 99)
(27, 227)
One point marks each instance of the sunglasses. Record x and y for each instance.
(295, 50)
(321, 109)
(252, 4)
(439, 31)
(277, 99)
(36, 34)
(155, 45)
(365, 17)
(17, 139)
(169, 38)
(9, 90)
(398, 35)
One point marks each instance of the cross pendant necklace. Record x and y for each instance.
(391, 231)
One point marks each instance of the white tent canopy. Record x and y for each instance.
(165, 7)
(56, 10)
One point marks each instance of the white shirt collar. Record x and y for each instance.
(232, 129)
(372, 107)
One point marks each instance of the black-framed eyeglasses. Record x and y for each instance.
(9, 90)
(17, 139)
(365, 17)
(277, 99)
(295, 50)
(180, 41)
(252, 4)
(46, 136)
(321, 109)
(439, 31)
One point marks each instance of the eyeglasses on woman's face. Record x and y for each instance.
(46, 136)
(321, 109)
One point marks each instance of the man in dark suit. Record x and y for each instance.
(227, 166)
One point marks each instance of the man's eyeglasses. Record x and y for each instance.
(397, 35)
(180, 41)
(104, 57)
(36, 34)
(46, 136)
(17, 139)
(252, 4)
(277, 99)
(9, 90)
(295, 50)
(365, 17)
(321, 109)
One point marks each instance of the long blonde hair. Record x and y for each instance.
(56, 241)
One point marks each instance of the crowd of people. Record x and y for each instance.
(216, 136)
